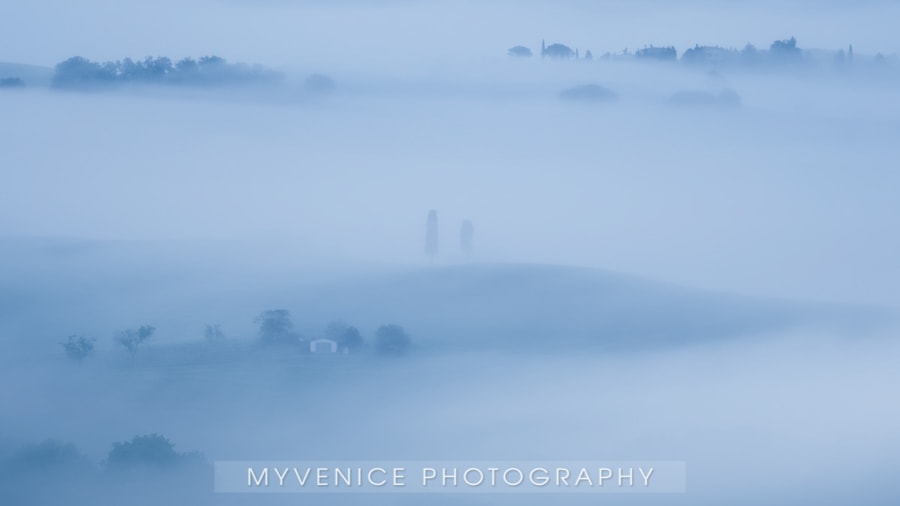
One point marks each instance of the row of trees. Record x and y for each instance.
(783, 51)
(78, 347)
(79, 72)
(148, 452)
(55, 472)
(275, 327)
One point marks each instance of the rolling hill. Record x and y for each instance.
(52, 288)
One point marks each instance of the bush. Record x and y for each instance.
(519, 52)
(78, 347)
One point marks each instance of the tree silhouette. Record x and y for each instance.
(558, 52)
(466, 236)
(48, 455)
(131, 339)
(79, 72)
(431, 235)
(213, 333)
(657, 53)
(785, 50)
(78, 347)
(346, 336)
(151, 451)
(350, 339)
(391, 340)
(275, 326)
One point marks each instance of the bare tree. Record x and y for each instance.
(131, 339)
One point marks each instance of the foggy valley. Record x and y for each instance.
(394, 240)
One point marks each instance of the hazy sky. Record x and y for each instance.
(285, 32)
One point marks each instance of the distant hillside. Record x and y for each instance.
(99, 287)
(33, 75)
(558, 306)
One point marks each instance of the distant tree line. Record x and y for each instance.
(79, 72)
(657, 53)
(277, 328)
(780, 52)
(55, 472)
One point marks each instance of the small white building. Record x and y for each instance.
(323, 346)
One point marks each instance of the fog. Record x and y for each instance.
(692, 196)
(630, 257)
(798, 418)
